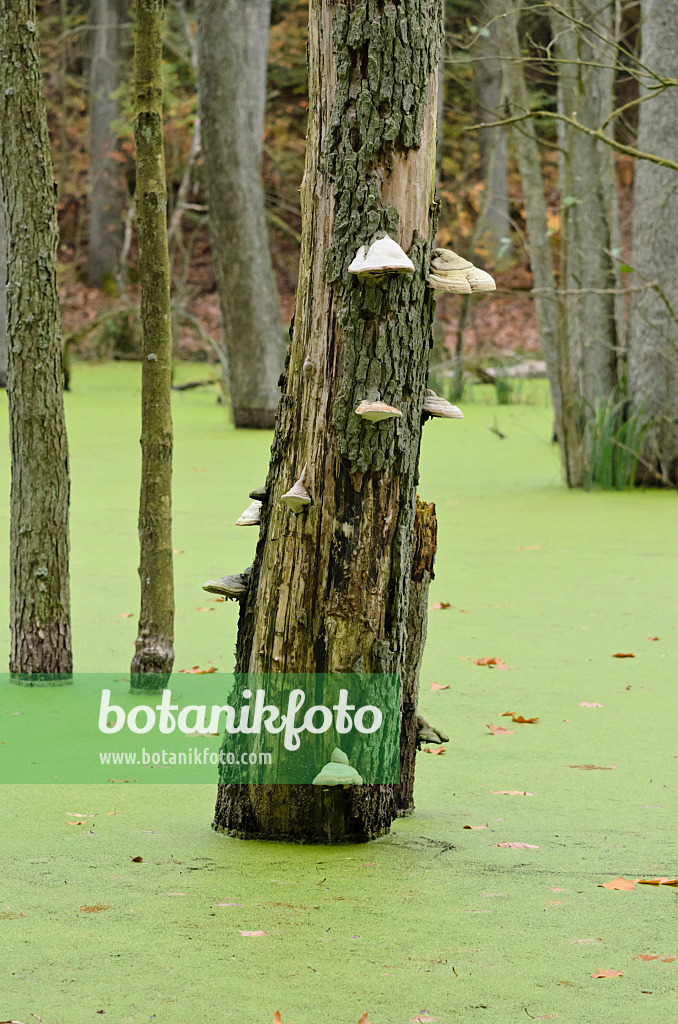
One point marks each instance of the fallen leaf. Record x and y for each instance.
(653, 638)
(439, 686)
(646, 956)
(623, 655)
(277, 1019)
(511, 792)
(657, 881)
(363, 1019)
(438, 607)
(111, 812)
(137, 860)
(465, 611)
(499, 730)
(588, 704)
(204, 609)
(555, 903)
(491, 662)
(96, 909)
(126, 615)
(76, 822)
(594, 767)
(555, 888)
(607, 974)
(518, 718)
(177, 551)
(669, 959)
(252, 935)
(434, 750)
(197, 671)
(475, 826)
(623, 884)
(530, 547)
(517, 846)
(75, 814)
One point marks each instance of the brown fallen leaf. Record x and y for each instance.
(126, 615)
(475, 826)
(177, 551)
(197, 671)
(511, 792)
(518, 718)
(440, 606)
(439, 686)
(204, 609)
(653, 638)
(623, 884)
(434, 750)
(646, 956)
(517, 846)
(623, 655)
(669, 959)
(491, 663)
(657, 881)
(76, 822)
(499, 730)
(137, 860)
(96, 909)
(607, 974)
(594, 767)
(277, 1019)
(529, 547)
(556, 888)
(363, 1019)
(589, 704)
(252, 935)
(77, 814)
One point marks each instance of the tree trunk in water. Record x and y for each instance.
(495, 233)
(39, 586)
(106, 192)
(554, 348)
(232, 51)
(589, 218)
(330, 588)
(154, 651)
(3, 294)
(425, 542)
(653, 329)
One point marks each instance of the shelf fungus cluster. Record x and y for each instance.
(452, 273)
(383, 257)
(337, 772)
(434, 405)
(374, 411)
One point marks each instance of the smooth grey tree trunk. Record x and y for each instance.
(588, 196)
(495, 235)
(107, 38)
(39, 585)
(330, 587)
(3, 294)
(232, 50)
(653, 329)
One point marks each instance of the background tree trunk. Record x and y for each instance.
(330, 588)
(154, 650)
(3, 293)
(39, 587)
(232, 50)
(653, 329)
(495, 230)
(107, 186)
(589, 219)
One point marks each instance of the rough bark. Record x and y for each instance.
(39, 587)
(106, 185)
(425, 542)
(589, 219)
(154, 651)
(232, 49)
(653, 328)
(3, 294)
(330, 587)
(495, 233)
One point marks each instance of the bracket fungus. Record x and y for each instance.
(337, 772)
(375, 411)
(251, 516)
(383, 257)
(297, 498)
(450, 272)
(434, 405)
(259, 494)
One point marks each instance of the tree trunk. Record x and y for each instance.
(330, 588)
(107, 187)
(232, 51)
(154, 654)
(589, 219)
(495, 233)
(3, 294)
(653, 328)
(39, 587)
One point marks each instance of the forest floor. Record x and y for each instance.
(436, 921)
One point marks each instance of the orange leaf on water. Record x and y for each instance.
(623, 884)
(594, 767)
(438, 607)
(589, 704)
(434, 750)
(363, 1019)
(126, 615)
(529, 547)
(491, 663)
(499, 730)
(646, 956)
(439, 686)
(623, 655)
(475, 826)
(518, 718)
(653, 638)
(657, 881)
(607, 974)
(96, 909)
(253, 935)
(511, 792)
(196, 670)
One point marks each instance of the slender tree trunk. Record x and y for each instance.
(495, 235)
(39, 587)
(588, 195)
(232, 50)
(3, 293)
(106, 185)
(154, 654)
(547, 305)
(330, 588)
(653, 327)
